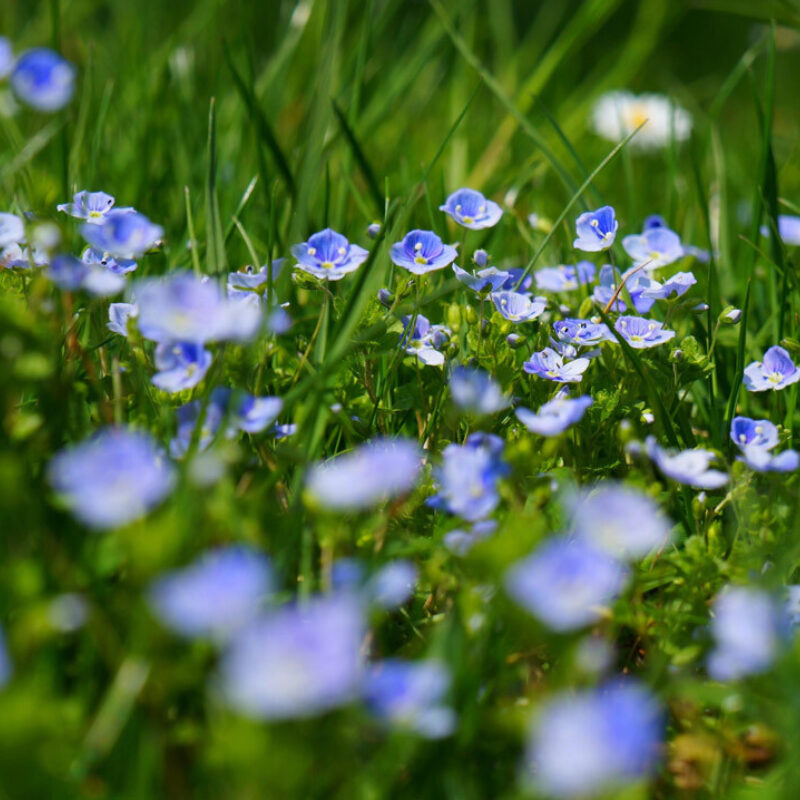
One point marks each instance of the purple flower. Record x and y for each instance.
(566, 584)
(776, 371)
(250, 286)
(691, 467)
(549, 364)
(472, 210)
(678, 284)
(215, 595)
(180, 365)
(410, 695)
(421, 252)
(488, 279)
(655, 247)
(555, 417)
(425, 340)
(91, 206)
(371, 474)
(297, 661)
(118, 316)
(476, 392)
(642, 333)
(12, 229)
(42, 79)
(122, 233)
(755, 438)
(564, 278)
(594, 741)
(113, 478)
(518, 307)
(393, 584)
(596, 230)
(582, 332)
(328, 255)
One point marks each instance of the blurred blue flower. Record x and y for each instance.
(71, 274)
(410, 695)
(476, 392)
(515, 275)
(488, 279)
(118, 316)
(297, 661)
(91, 206)
(654, 221)
(425, 340)
(481, 258)
(564, 278)
(118, 266)
(642, 333)
(6, 668)
(596, 230)
(12, 229)
(285, 430)
(776, 371)
(582, 332)
(328, 255)
(691, 467)
(549, 364)
(747, 626)
(556, 416)
(788, 229)
(566, 584)
(250, 285)
(421, 252)
(42, 79)
(6, 57)
(373, 229)
(369, 475)
(655, 247)
(594, 741)
(215, 595)
(461, 541)
(113, 478)
(518, 307)
(678, 284)
(472, 210)
(393, 584)
(122, 233)
(180, 365)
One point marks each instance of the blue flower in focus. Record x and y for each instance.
(691, 467)
(550, 365)
(636, 283)
(328, 255)
(393, 584)
(425, 340)
(44, 80)
(755, 438)
(489, 279)
(566, 584)
(371, 474)
(596, 230)
(250, 286)
(118, 316)
(642, 333)
(747, 627)
(776, 371)
(678, 285)
(421, 252)
(410, 695)
(472, 210)
(91, 206)
(113, 478)
(476, 392)
(564, 278)
(180, 365)
(297, 661)
(654, 248)
(12, 229)
(518, 307)
(215, 595)
(122, 233)
(582, 332)
(594, 741)
(555, 417)
(70, 274)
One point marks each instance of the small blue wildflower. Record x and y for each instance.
(654, 221)
(250, 285)
(776, 371)
(518, 307)
(755, 438)
(297, 661)
(6, 57)
(691, 467)
(328, 255)
(215, 595)
(421, 252)
(91, 206)
(481, 258)
(119, 266)
(549, 364)
(596, 230)
(555, 417)
(582, 332)
(678, 285)
(373, 229)
(16, 256)
(564, 278)
(187, 419)
(410, 695)
(472, 210)
(284, 430)
(393, 584)
(488, 279)
(70, 274)
(124, 234)
(425, 340)
(12, 229)
(566, 584)
(635, 282)
(118, 316)
(654, 248)
(252, 415)
(642, 333)
(461, 542)
(476, 392)
(42, 79)
(180, 365)
(371, 474)
(517, 275)
(113, 478)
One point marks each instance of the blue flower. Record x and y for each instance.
(411, 695)
(393, 584)
(515, 275)
(215, 595)
(556, 416)
(635, 282)
(425, 340)
(654, 221)
(642, 333)
(43, 80)
(328, 255)
(284, 430)
(113, 478)
(755, 438)
(476, 392)
(788, 229)
(12, 229)
(481, 258)
(119, 266)
(297, 661)
(488, 279)
(747, 626)
(582, 332)
(594, 741)
(250, 286)
(678, 284)
(6, 57)
(564, 278)
(421, 252)
(596, 230)
(461, 542)
(776, 371)
(472, 210)
(180, 365)
(549, 364)
(118, 316)
(124, 234)
(371, 474)
(91, 206)
(518, 307)
(6, 668)
(566, 584)
(691, 467)
(655, 247)
(70, 274)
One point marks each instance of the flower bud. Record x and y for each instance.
(373, 230)
(515, 340)
(385, 297)
(700, 308)
(730, 316)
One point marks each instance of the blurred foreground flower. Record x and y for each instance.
(476, 392)
(44, 80)
(556, 416)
